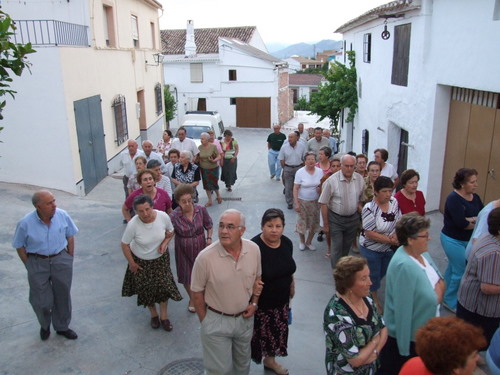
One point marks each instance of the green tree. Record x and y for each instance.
(301, 105)
(12, 58)
(170, 104)
(337, 94)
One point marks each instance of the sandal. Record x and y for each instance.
(155, 322)
(328, 254)
(191, 309)
(278, 369)
(167, 326)
(219, 200)
(208, 204)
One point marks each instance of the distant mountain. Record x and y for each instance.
(305, 49)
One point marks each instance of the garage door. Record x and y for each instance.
(253, 112)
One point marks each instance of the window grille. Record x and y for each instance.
(120, 110)
(158, 99)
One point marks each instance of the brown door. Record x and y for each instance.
(472, 141)
(253, 112)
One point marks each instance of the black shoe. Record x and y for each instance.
(125, 221)
(320, 236)
(69, 334)
(44, 333)
(283, 190)
(290, 206)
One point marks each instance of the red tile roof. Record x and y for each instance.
(382, 10)
(173, 41)
(305, 79)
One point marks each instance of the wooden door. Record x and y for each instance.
(253, 112)
(492, 184)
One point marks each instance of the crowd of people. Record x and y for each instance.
(241, 290)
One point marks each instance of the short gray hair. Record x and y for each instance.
(187, 154)
(346, 156)
(234, 211)
(205, 135)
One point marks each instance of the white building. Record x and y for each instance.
(429, 92)
(94, 85)
(226, 70)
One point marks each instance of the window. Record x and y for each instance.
(135, 31)
(153, 35)
(295, 93)
(109, 26)
(367, 48)
(196, 72)
(401, 55)
(232, 101)
(158, 99)
(365, 141)
(120, 110)
(232, 74)
(496, 11)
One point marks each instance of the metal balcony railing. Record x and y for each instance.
(50, 33)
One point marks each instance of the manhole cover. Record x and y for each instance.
(190, 366)
(231, 199)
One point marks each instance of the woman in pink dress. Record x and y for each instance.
(193, 232)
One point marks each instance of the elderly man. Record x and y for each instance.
(333, 142)
(147, 147)
(182, 143)
(303, 134)
(381, 156)
(44, 240)
(274, 143)
(341, 203)
(127, 158)
(314, 144)
(291, 157)
(223, 280)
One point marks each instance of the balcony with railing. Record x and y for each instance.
(50, 33)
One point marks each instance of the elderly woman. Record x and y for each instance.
(186, 172)
(446, 346)
(361, 161)
(378, 239)
(493, 354)
(413, 291)
(460, 213)
(208, 157)
(354, 329)
(162, 181)
(148, 274)
(140, 164)
(409, 198)
(193, 232)
(324, 163)
(162, 201)
(479, 292)
(229, 162)
(306, 188)
(270, 335)
(165, 144)
(373, 171)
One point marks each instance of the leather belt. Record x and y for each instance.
(294, 166)
(224, 314)
(46, 256)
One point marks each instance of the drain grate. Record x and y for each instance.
(231, 198)
(190, 366)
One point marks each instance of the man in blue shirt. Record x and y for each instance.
(44, 240)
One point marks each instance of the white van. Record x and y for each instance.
(197, 122)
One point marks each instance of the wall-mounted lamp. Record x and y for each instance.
(158, 59)
(380, 129)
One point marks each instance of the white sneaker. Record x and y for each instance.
(311, 247)
(302, 246)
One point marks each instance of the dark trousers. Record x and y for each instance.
(125, 183)
(489, 325)
(50, 287)
(343, 231)
(390, 359)
(288, 179)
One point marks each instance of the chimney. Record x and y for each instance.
(190, 46)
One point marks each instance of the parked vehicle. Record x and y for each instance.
(197, 122)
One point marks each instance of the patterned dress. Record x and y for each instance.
(189, 239)
(346, 334)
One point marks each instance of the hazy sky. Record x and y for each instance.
(276, 21)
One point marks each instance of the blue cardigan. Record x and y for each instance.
(410, 300)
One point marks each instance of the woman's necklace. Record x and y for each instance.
(359, 312)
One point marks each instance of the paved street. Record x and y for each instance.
(114, 333)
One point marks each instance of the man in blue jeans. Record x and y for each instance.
(44, 241)
(274, 142)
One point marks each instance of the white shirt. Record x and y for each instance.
(145, 239)
(389, 171)
(186, 145)
(308, 183)
(128, 162)
(155, 156)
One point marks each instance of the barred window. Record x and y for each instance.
(367, 48)
(158, 99)
(120, 110)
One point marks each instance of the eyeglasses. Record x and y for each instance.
(229, 227)
(426, 236)
(388, 216)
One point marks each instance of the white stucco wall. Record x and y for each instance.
(74, 11)
(255, 78)
(452, 44)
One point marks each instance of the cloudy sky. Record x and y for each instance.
(277, 21)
